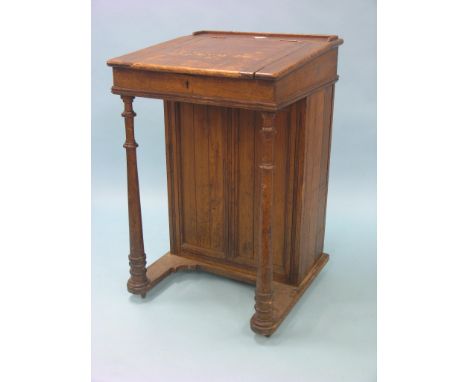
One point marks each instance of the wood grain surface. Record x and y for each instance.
(229, 54)
(248, 120)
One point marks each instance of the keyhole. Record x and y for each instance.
(187, 84)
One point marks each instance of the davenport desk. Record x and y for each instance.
(248, 128)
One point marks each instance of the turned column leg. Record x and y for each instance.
(138, 281)
(262, 321)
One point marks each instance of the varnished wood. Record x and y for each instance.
(230, 54)
(243, 70)
(286, 295)
(262, 321)
(138, 281)
(248, 131)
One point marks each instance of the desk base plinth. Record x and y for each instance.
(284, 296)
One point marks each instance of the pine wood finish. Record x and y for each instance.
(248, 131)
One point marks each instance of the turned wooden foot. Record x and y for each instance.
(262, 321)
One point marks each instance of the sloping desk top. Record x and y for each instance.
(250, 70)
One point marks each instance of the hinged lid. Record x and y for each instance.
(230, 54)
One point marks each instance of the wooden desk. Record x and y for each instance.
(248, 128)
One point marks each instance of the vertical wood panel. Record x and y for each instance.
(201, 147)
(324, 169)
(188, 186)
(312, 193)
(290, 183)
(216, 127)
(309, 212)
(279, 196)
(326, 142)
(315, 153)
(203, 141)
(307, 207)
(298, 198)
(246, 184)
(173, 178)
(232, 183)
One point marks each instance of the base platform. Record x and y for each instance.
(284, 296)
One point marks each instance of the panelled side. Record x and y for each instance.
(212, 184)
(203, 183)
(313, 140)
(244, 189)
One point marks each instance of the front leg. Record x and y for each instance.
(138, 282)
(262, 320)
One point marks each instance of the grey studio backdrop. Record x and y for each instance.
(195, 326)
